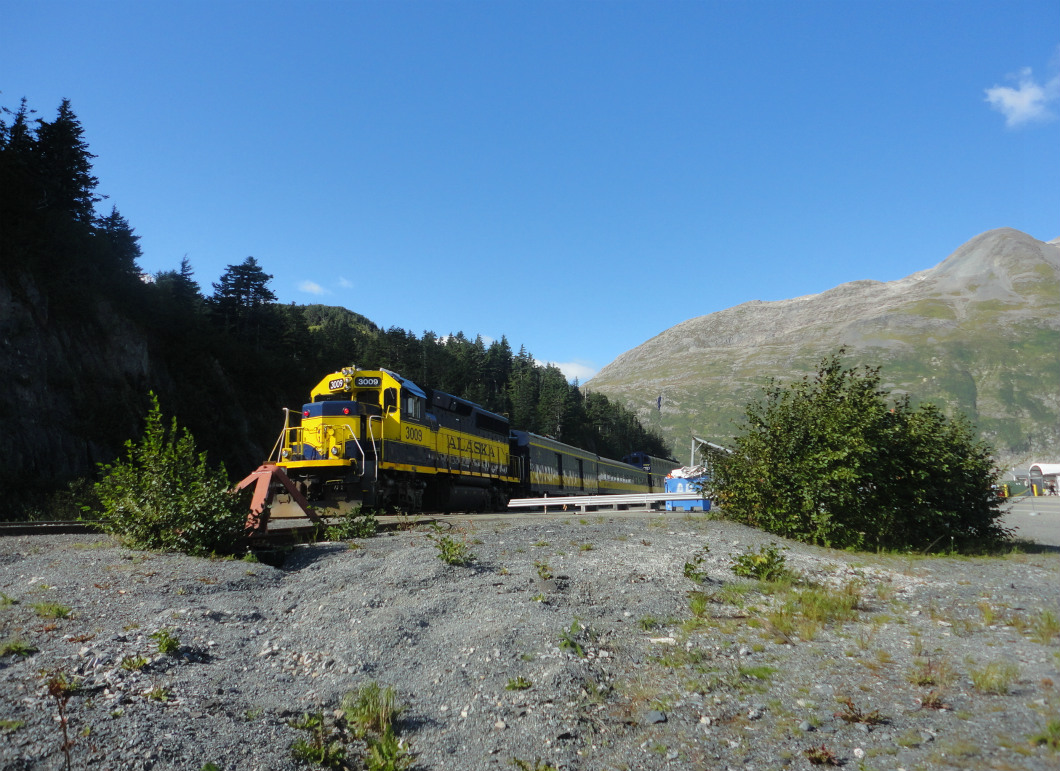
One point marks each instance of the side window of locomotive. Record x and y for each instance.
(413, 407)
(390, 400)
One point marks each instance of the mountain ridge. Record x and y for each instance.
(978, 332)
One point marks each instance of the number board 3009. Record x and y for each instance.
(368, 382)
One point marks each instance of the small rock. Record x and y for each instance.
(654, 716)
(806, 726)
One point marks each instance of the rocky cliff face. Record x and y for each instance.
(75, 383)
(979, 332)
(57, 378)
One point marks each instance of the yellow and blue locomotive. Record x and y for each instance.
(374, 437)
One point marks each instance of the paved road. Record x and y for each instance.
(1035, 519)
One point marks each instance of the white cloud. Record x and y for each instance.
(312, 288)
(582, 370)
(1027, 103)
(345, 283)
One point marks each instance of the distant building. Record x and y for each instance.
(1044, 477)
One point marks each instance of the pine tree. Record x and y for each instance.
(65, 165)
(119, 246)
(241, 298)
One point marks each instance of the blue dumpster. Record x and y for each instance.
(683, 485)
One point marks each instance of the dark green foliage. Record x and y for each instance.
(164, 495)
(832, 460)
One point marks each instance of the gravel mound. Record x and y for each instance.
(569, 641)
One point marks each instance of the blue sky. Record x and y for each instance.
(578, 176)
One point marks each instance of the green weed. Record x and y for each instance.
(518, 684)
(167, 642)
(317, 749)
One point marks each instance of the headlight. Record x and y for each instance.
(335, 451)
(285, 453)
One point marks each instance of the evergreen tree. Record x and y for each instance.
(119, 246)
(65, 165)
(18, 190)
(241, 298)
(179, 290)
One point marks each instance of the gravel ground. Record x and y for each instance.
(946, 662)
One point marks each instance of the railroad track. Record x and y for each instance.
(45, 528)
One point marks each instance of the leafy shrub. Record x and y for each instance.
(163, 495)
(450, 550)
(832, 460)
(767, 565)
(353, 525)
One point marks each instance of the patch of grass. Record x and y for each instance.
(518, 684)
(1049, 736)
(647, 623)
(996, 678)
(371, 708)
(10, 726)
(758, 672)
(17, 647)
(1045, 627)
(544, 572)
(6, 601)
(50, 610)
(698, 602)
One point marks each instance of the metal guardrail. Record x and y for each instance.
(580, 502)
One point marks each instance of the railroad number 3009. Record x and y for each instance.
(413, 433)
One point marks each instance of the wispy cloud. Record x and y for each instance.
(345, 283)
(1028, 102)
(573, 370)
(312, 288)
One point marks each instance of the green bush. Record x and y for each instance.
(833, 460)
(163, 495)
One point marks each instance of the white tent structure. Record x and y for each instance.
(1043, 477)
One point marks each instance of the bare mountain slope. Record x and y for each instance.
(979, 332)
